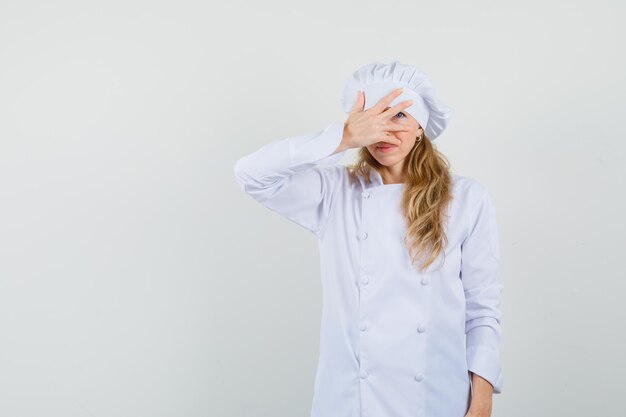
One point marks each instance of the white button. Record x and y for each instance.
(363, 235)
(366, 194)
(363, 374)
(424, 281)
(419, 376)
(421, 328)
(365, 279)
(363, 326)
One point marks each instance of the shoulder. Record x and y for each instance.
(468, 184)
(334, 178)
(334, 172)
(468, 191)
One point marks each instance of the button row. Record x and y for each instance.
(365, 279)
(363, 235)
(363, 325)
(363, 374)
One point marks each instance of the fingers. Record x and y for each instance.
(397, 126)
(360, 103)
(392, 111)
(391, 139)
(383, 103)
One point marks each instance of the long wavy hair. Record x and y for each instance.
(427, 194)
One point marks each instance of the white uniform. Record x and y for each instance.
(393, 340)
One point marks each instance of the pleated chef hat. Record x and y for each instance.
(377, 80)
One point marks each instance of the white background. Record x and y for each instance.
(136, 279)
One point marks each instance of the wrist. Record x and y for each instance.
(346, 139)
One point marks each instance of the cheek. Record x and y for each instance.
(405, 151)
(407, 144)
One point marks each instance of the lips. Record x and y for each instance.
(386, 147)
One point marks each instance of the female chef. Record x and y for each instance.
(409, 253)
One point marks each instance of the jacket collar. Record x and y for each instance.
(376, 180)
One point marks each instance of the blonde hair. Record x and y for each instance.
(427, 194)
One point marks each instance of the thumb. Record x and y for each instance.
(360, 102)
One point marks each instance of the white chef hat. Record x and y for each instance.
(377, 80)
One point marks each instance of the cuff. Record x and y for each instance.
(319, 149)
(486, 363)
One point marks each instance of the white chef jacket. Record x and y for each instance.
(394, 342)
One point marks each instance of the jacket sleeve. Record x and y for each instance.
(480, 257)
(291, 176)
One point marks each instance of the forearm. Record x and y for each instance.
(281, 158)
(482, 396)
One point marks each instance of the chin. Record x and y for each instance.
(389, 160)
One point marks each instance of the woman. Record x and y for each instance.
(409, 253)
